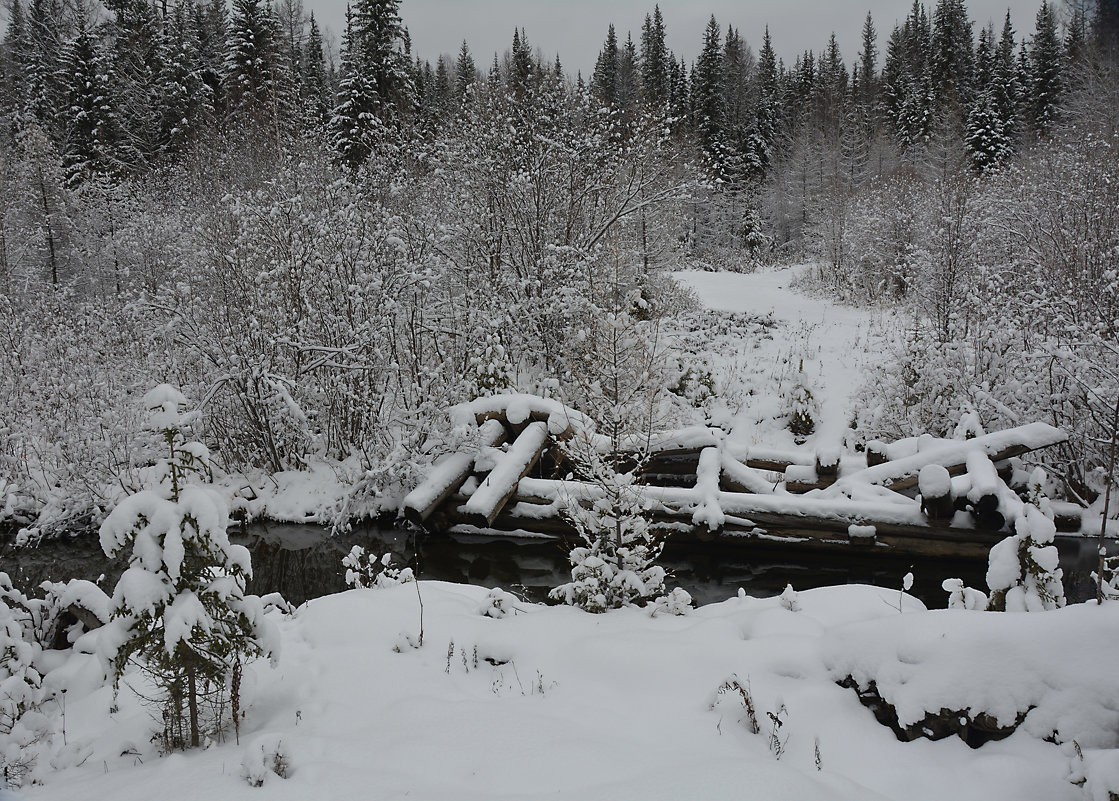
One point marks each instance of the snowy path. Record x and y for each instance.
(815, 342)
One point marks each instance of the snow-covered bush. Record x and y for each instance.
(264, 757)
(1023, 573)
(489, 371)
(961, 597)
(364, 570)
(180, 609)
(24, 729)
(616, 563)
(678, 602)
(803, 411)
(498, 604)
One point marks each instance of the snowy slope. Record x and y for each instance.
(814, 340)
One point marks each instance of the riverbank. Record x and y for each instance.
(555, 702)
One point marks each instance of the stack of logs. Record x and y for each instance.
(511, 479)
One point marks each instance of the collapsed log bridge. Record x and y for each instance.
(922, 496)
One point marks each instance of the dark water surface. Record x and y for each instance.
(304, 562)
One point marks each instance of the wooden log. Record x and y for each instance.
(827, 463)
(935, 485)
(984, 493)
(901, 474)
(500, 485)
(737, 477)
(876, 453)
(449, 475)
(800, 479)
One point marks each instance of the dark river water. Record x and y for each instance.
(304, 562)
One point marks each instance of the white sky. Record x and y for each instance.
(576, 28)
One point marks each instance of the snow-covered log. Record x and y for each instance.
(501, 484)
(935, 485)
(901, 474)
(449, 475)
(984, 493)
(519, 410)
(707, 510)
(738, 477)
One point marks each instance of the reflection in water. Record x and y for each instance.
(303, 562)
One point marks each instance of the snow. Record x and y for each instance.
(934, 481)
(503, 478)
(823, 344)
(554, 702)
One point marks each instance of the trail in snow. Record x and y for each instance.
(816, 342)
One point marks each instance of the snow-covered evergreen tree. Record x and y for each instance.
(1024, 573)
(180, 609)
(615, 563)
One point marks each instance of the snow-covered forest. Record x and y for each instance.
(246, 274)
(323, 251)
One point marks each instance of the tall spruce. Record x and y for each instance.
(604, 82)
(377, 89)
(87, 115)
(1045, 68)
(466, 74)
(867, 85)
(655, 60)
(708, 105)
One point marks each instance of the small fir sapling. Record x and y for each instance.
(616, 563)
(678, 602)
(1024, 573)
(803, 412)
(498, 604)
(961, 597)
(489, 371)
(788, 599)
(180, 611)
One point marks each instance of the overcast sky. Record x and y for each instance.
(576, 28)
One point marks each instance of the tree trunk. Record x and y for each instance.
(192, 704)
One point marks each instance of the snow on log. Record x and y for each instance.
(447, 477)
(801, 478)
(876, 453)
(777, 460)
(519, 409)
(827, 461)
(707, 510)
(737, 477)
(935, 485)
(901, 474)
(501, 484)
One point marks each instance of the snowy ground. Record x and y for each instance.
(806, 339)
(552, 702)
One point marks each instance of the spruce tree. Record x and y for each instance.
(465, 71)
(183, 105)
(707, 96)
(953, 62)
(868, 58)
(87, 114)
(604, 83)
(655, 60)
(137, 66)
(316, 87)
(987, 142)
(1006, 82)
(356, 121)
(1046, 65)
(253, 65)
